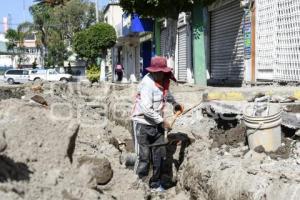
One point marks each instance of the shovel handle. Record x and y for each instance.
(175, 117)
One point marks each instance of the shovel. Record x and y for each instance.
(167, 131)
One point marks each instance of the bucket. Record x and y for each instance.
(263, 130)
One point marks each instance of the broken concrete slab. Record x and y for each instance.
(225, 107)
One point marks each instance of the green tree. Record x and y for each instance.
(52, 2)
(94, 41)
(13, 38)
(160, 8)
(56, 26)
(69, 69)
(34, 64)
(57, 51)
(41, 15)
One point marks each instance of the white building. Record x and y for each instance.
(127, 49)
(5, 57)
(31, 54)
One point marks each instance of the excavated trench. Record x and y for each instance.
(223, 167)
(233, 133)
(211, 153)
(207, 158)
(11, 92)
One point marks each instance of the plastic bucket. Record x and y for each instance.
(264, 130)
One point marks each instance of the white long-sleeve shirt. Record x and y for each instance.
(150, 102)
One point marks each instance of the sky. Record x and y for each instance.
(18, 11)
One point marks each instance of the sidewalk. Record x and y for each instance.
(243, 93)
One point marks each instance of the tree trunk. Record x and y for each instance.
(103, 66)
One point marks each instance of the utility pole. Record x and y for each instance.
(97, 12)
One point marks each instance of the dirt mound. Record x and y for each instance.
(47, 146)
(231, 137)
(283, 152)
(72, 148)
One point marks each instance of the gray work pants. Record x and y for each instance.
(145, 136)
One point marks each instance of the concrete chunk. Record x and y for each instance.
(95, 171)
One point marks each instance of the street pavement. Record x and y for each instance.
(1, 79)
(2, 83)
(75, 79)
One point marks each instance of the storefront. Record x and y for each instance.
(128, 48)
(184, 50)
(277, 51)
(226, 42)
(146, 52)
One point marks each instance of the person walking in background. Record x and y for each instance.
(119, 72)
(148, 122)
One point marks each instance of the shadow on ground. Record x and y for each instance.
(175, 153)
(14, 171)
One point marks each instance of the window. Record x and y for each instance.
(12, 72)
(19, 72)
(52, 72)
(30, 37)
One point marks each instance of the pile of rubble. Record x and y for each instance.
(63, 141)
(71, 142)
(49, 152)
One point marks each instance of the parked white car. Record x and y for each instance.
(49, 75)
(12, 76)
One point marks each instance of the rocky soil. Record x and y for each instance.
(70, 148)
(74, 148)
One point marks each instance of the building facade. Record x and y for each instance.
(246, 41)
(25, 59)
(6, 58)
(31, 54)
(180, 57)
(277, 40)
(133, 49)
(222, 43)
(231, 42)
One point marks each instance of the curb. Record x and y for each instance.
(243, 96)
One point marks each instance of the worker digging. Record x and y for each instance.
(148, 121)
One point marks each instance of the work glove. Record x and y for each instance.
(178, 107)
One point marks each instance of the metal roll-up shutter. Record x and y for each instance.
(226, 42)
(163, 38)
(182, 54)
